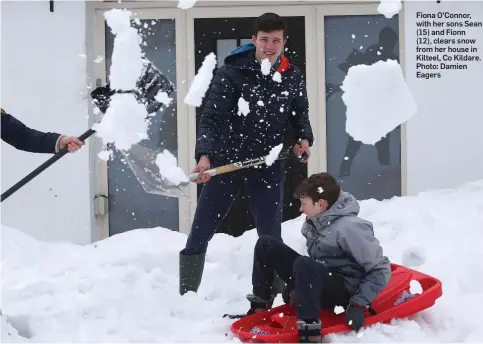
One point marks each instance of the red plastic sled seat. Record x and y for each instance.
(278, 325)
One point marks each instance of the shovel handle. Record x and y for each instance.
(42, 167)
(241, 165)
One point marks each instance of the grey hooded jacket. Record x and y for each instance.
(345, 243)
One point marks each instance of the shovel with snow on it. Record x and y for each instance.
(157, 178)
(150, 84)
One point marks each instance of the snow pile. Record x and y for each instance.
(168, 168)
(124, 122)
(377, 100)
(125, 288)
(185, 4)
(389, 8)
(201, 82)
(273, 155)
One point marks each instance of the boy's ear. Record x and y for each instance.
(323, 203)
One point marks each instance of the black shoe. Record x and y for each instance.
(257, 304)
(191, 268)
(309, 332)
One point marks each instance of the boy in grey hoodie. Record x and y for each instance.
(345, 264)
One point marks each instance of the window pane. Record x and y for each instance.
(223, 48)
(367, 171)
(130, 207)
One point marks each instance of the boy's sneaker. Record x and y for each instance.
(257, 304)
(309, 332)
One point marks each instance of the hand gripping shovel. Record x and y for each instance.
(142, 162)
(148, 85)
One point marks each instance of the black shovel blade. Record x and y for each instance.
(149, 84)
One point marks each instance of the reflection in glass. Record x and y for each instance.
(364, 170)
(130, 207)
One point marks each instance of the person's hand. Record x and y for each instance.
(354, 316)
(72, 143)
(302, 147)
(202, 167)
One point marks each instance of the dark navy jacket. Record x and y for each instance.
(20, 136)
(226, 135)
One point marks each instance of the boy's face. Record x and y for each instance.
(311, 209)
(269, 45)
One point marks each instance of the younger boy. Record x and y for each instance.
(345, 264)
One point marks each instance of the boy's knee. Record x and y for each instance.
(301, 263)
(263, 240)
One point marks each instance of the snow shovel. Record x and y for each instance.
(142, 162)
(149, 84)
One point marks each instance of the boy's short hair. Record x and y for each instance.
(269, 22)
(319, 186)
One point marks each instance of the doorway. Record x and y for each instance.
(221, 36)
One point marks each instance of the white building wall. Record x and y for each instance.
(44, 85)
(444, 140)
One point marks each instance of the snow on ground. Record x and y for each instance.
(125, 288)
(377, 100)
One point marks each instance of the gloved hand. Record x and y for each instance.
(288, 295)
(354, 316)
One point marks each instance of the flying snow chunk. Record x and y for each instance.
(127, 63)
(105, 155)
(339, 309)
(377, 100)
(168, 168)
(163, 98)
(277, 77)
(389, 7)
(201, 82)
(124, 122)
(185, 4)
(415, 287)
(265, 66)
(243, 107)
(273, 155)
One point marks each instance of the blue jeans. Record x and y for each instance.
(219, 193)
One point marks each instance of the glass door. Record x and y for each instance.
(348, 36)
(129, 206)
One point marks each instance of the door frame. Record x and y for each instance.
(101, 175)
(357, 10)
(253, 11)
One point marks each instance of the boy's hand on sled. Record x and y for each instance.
(354, 316)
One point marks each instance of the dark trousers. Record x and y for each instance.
(315, 286)
(217, 196)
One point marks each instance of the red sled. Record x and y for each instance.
(278, 325)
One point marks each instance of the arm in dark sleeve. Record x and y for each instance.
(359, 242)
(20, 136)
(219, 102)
(299, 118)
